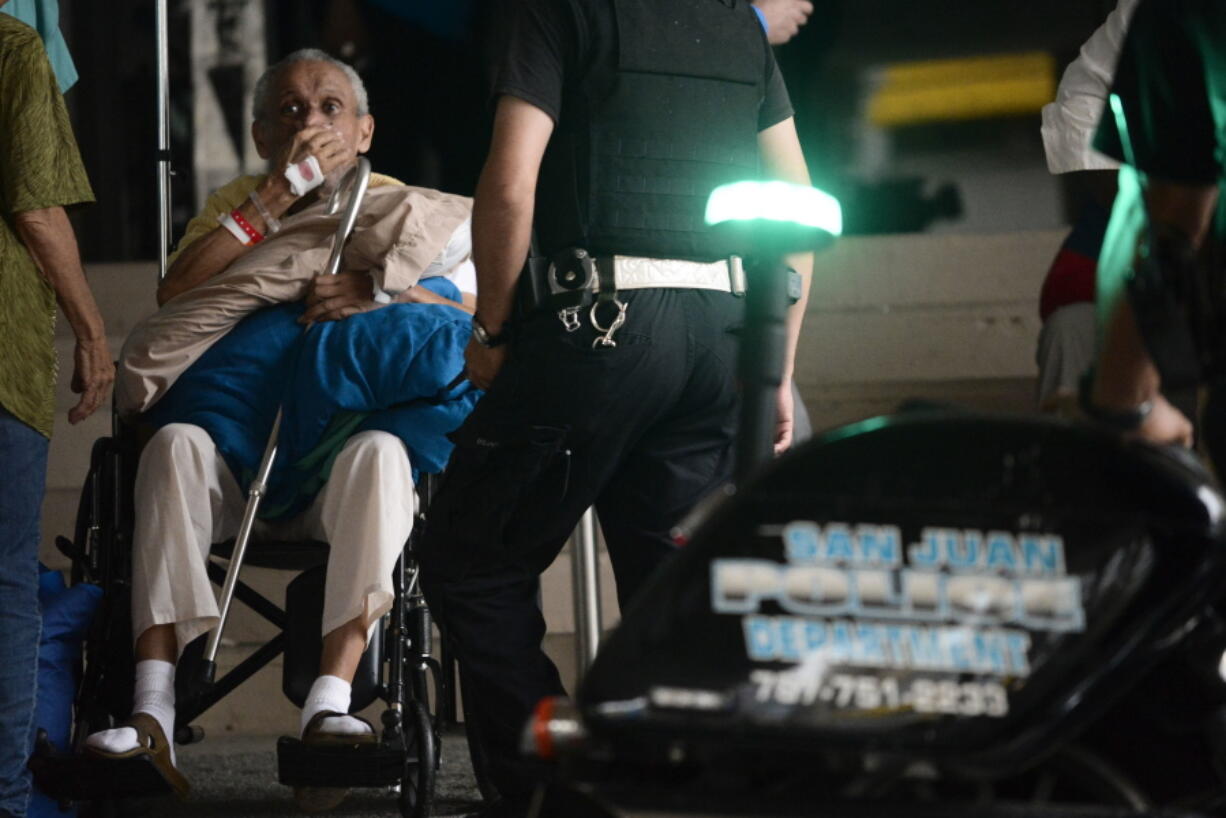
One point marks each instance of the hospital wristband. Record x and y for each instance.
(270, 221)
(254, 235)
(227, 221)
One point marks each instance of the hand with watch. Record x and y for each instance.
(486, 353)
(1155, 419)
(490, 340)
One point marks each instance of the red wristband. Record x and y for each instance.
(256, 235)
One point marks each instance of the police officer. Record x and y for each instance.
(615, 119)
(1170, 87)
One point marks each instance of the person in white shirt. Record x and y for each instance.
(1067, 340)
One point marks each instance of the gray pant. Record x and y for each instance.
(1066, 350)
(802, 427)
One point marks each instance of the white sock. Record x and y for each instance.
(154, 694)
(331, 693)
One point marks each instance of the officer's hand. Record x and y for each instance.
(1165, 425)
(483, 364)
(333, 297)
(784, 18)
(784, 412)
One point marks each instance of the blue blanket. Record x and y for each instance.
(393, 369)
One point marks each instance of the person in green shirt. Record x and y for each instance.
(1167, 124)
(40, 174)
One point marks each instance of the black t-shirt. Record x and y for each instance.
(554, 44)
(1171, 82)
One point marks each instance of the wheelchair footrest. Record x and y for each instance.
(67, 777)
(343, 765)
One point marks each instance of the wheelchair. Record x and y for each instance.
(397, 666)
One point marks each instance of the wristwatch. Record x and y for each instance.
(1122, 420)
(485, 339)
(796, 286)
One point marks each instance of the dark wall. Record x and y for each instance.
(427, 72)
(429, 93)
(114, 111)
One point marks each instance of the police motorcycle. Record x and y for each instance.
(936, 613)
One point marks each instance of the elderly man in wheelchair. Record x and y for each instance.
(198, 377)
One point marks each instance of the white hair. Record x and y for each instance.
(263, 86)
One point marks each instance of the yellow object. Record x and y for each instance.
(971, 88)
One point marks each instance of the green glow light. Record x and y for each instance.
(1128, 224)
(863, 427)
(776, 202)
(1121, 125)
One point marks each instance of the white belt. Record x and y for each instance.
(637, 273)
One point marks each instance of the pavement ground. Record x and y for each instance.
(236, 777)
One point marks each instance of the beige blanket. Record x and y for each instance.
(399, 232)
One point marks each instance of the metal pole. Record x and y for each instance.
(360, 178)
(254, 495)
(760, 368)
(163, 152)
(586, 580)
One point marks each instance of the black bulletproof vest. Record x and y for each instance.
(637, 153)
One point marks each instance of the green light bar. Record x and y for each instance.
(1121, 125)
(776, 202)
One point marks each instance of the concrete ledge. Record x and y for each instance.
(950, 318)
(837, 404)
(932, 270)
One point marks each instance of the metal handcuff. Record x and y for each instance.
(570, 274)
(569, 317)
(606, 340)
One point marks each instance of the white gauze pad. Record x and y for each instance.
(304, 176)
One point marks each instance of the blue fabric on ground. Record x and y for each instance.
(387, 369)
(67, 613)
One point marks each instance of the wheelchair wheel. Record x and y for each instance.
(421, 763)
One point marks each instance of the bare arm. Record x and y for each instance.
(48, 236)
(504, 204)
(502, 221)
(1126, 376)
(422, 295)
(215, 251)
(783, 159)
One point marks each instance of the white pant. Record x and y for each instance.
(1066, 350)
(186, 499)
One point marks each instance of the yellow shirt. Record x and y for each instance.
(231, 196)
(40, 168)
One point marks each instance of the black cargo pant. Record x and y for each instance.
(642, 431)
